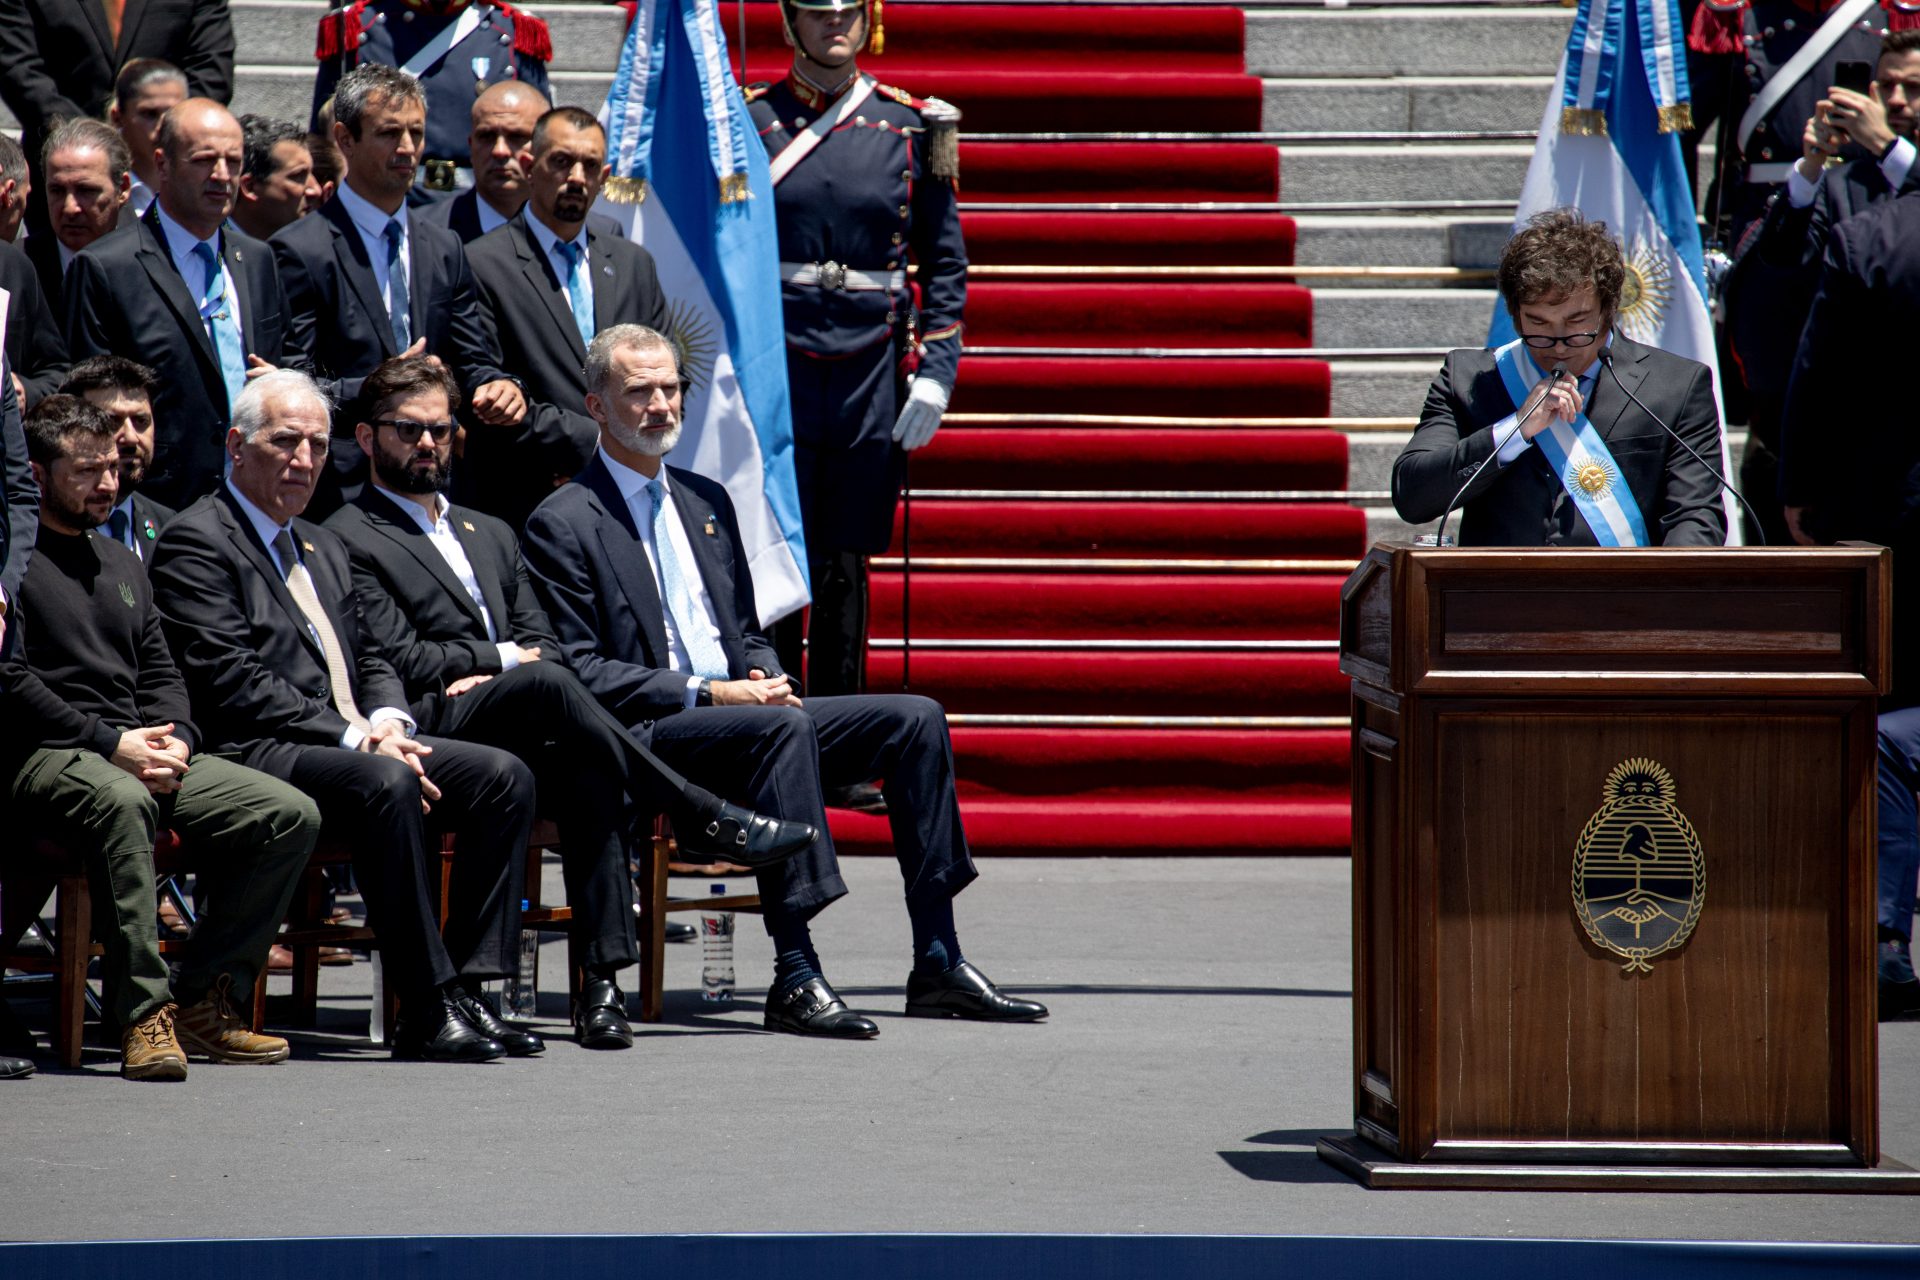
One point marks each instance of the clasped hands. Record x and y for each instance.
(154, 756)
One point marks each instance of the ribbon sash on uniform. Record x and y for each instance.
(801, 147)
(1580, 460)
(450, 35)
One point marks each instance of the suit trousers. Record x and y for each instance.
(778, 759)
(247, 834)
(1899, 821)
(579, 755)
(372, 802)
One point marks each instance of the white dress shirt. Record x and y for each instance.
(562, 270)
(633, 487)
(266, 529)
(490, 217)
(371, 223)
(180, 244)
(139, 197)
(1894, 167)
(439, 531)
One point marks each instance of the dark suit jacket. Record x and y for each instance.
(43, 251)
(19, 499)
(1848, 448)
(35, 345)
(1522, 504)
(147, 512)
(257, 677)
(125, 297)
(508, 474)
(592, 572)
(461, 215)
(421, 616)
(337, 315)
(57, 57)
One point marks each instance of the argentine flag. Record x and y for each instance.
(690, 183)
(1609, 146)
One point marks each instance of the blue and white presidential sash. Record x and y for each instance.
(1579, 458)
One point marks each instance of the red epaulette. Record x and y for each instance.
(756, 91)
(531, 39)
(331, 40)
(900, 96)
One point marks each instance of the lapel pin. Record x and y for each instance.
(148, 529)
(468, 526)
(606, 271)
(307, 545)
(710, 530)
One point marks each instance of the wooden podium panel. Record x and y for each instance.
(1718, 706)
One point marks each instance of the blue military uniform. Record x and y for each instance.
(876, 193)
(503, 44)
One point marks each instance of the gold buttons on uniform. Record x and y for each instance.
(896, 237)
(799, 122)
(903, 211)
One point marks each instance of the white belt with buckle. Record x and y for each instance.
(834, 276)
(442, 175)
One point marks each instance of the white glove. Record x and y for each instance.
(926, 401)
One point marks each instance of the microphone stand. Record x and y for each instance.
(1606, 358)
(1440, 534)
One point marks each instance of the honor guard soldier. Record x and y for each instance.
(456, 49)
(864, 184)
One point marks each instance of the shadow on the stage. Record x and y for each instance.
(1130, 989)
(1301, 1166)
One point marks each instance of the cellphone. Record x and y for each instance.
(1853, 75)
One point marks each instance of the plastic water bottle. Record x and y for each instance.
(523, 989)
(716, 944)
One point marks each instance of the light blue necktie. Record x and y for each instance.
(708, 661)
(397, 299)
(574, 251)
(223, 326)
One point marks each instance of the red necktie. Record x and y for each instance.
(114, 9)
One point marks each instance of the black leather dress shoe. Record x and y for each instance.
(434, 1030)
(861, 797)
(681, 931)
(479, 1011)
(15, 1068)
(812, 1009)
(965, 992)
(743, 836)
(600, 1018)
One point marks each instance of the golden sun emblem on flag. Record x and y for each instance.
(1592, 477)
(1647, 291)
(691, 332)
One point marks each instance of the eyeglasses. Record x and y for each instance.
(290, 442)
(1539, 340)
(410, 431)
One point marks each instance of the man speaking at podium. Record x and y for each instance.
(1541, 442)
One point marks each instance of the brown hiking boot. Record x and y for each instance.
(148, 1050)
(211, 1029)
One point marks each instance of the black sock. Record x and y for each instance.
(794, 960)
(936, 945)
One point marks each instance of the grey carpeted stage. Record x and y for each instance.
(1199, 1044)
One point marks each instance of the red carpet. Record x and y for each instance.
(1138, 458)
(1139, 315)
(1008, 604)
(1106, 172)
(1199, 530)
(1068, 682)
(1128, 239)
(1245, 387)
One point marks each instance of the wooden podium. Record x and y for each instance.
(1613, 869)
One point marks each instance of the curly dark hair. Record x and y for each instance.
(400, 377)
(1558, 253)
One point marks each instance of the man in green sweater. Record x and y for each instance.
(102, 759)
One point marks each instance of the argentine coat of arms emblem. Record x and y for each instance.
(1639, 873)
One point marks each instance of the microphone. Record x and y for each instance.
(1606, 358)
(1440, 534)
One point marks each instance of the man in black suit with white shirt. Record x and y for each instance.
(446, 595)
(645, 579)
(186, 295)
(551, 278)
(366, 280)
(260, 609)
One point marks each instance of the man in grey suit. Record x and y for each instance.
(1587, 465)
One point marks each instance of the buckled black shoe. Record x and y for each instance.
(743, 836)
(812, 1009)
(965, 992)
(434, 1030)
(478, 1010)
(600, 1017)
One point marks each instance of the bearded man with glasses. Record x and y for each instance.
(1571, 435)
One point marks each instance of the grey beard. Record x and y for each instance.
(640, 442)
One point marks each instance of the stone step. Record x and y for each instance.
(1380, 389)
(1400, 241)
(1419, 104)
(1407, 42)
(1405, 317)
(1312, 173)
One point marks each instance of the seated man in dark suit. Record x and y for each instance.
(103, 754)
(447, 598)
(366, 280)
(502, 127)
(551, 279)
(260, 610)
(1586, 466)
(646, 582)
(125, 390)
(188, 296)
